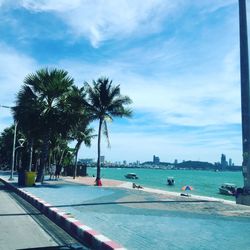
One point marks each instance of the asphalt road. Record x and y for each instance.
(23, 227)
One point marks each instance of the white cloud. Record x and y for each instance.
(173, 83)
(212, 6)
(117, 19)
(14, 67)
(100, 20)
(50, 5)
(207, 145)
(192, 100)
(208, 101)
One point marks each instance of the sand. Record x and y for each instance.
(193, 203)
(90, 181)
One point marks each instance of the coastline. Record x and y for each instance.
(90, 181)
(195, 204)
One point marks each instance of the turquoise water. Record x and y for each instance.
(205, 183)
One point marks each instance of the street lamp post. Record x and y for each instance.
(21, 142)
(14, 146)
(13, 154)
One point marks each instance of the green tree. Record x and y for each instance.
(47, 91)
(6, 147)
(26, 112)
(58, 149)
(82, 134)
(105, 102)
(80, 131)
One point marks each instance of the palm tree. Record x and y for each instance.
(6, 147)
(47, 90)
(105, 102)
(82, 134)
(26, 113)
(58, 148)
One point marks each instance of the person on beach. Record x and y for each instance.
(137, 186)
(98, 183)
(58, 171)
(52, 171)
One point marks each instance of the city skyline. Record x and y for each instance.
(177, 60)
(223, 161)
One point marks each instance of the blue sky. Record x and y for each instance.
(177, 60)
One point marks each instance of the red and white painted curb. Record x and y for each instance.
(75, 228)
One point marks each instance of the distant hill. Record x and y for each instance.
(195, 165)
(158, 164)
(185, 164)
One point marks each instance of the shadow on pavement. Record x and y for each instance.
(131, 202)
(70, 247)
(45, 184)
(21, 214)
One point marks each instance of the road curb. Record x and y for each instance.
(75, 228)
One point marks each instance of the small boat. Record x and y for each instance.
(170, 181)
(228, 189)
(131, 176)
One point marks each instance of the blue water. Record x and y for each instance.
(205, 183)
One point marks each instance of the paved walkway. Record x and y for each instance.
(208, 205)
(149, 220)
(17, 228)
(24, 227)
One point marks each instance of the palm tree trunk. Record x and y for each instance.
(75, 166)
(61, 158)
(44, 157)
(98, 170)
(31, 154)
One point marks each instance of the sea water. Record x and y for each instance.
(205, 183)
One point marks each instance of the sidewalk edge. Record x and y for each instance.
(75, 228)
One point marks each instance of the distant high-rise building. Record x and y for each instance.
(156, 159)
(230, 162)
(223, 161)
(175, 161)
(223, 158)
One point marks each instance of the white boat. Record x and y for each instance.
(131, 176)
(228, 189)
(170, 181)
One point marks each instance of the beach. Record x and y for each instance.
(194, 203)
(203, 182)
